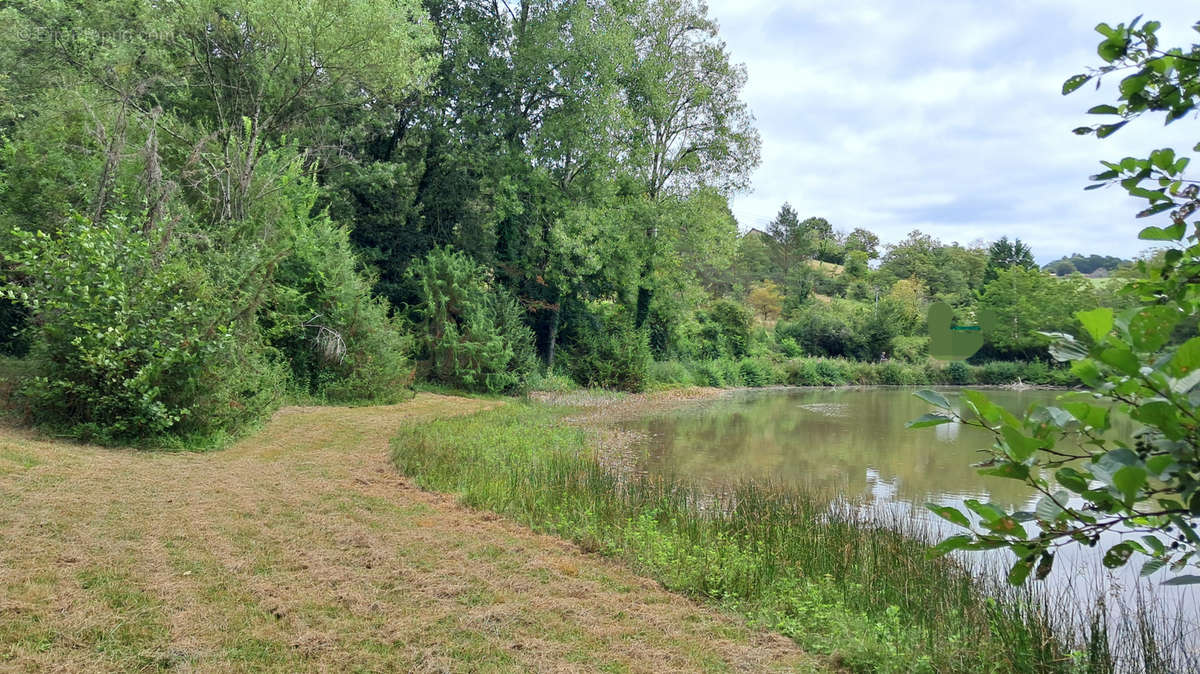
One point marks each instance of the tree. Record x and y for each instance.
(1026, 302)
(1136, 369)
(789, 241)
(471, 331)
(1061, 268)
(767, 300)
(952, 273)
(1005, 254)
(864, 240)
(689, 127)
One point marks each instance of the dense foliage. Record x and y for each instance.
(488, 196)
(471, 332)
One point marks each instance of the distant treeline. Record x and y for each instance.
(1085, 264)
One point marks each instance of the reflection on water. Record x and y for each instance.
(853, 444)
(849, 440)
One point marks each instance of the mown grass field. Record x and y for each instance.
(301, 549)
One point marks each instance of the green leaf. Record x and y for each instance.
(1122, 359)
(1089, 415)
(1048, 508)
(927, 420)
(934, 398)
(952, 515)
(1019, 447)
(1151, 566)
(1173, 233)
(1183, 580)
(1187, 358)
(1019, 572)
(956, 542)
(1072, 479)
(1129, 481)
(1008, 470)
(1097, 322)
(1104, 110)
(1073, 83)
(1152, 327)
(1133, 84)
(988, 512)
(1117, 555)
(1106, 130)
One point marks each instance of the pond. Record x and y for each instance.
(852, 444)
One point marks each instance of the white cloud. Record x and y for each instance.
(945, 117)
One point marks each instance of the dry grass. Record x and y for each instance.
(301, 549)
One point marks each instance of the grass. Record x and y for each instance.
(838, 583)
(298, 548)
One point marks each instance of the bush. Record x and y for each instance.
(789, 347)
(757, 372)
(997, 373)
(472, 333)
(608, 352)
(957, 373)
(721, 372)
(910, 349)
(725, 331)
(339, 340)
(818, 372)
(668, 373)
(133, 341)
(551, 382)
(893, 373)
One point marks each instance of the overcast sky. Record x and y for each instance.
(942, 116)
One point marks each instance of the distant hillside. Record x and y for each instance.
(1098, 266)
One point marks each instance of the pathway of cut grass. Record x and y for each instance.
(300, 549)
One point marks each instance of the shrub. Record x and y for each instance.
(833, 372)
(893, 373)
(758, 372)
(957, 373)
(789, 347)
(910, 349)
(725, 331)
(670, 373)
(551, 382)
(132, 341)
(608, 352)
(339, 340)
(997, 373)
(472, 333)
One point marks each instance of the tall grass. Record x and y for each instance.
(838, 581)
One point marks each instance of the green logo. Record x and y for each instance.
(955, 342)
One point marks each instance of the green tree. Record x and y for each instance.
(789, 242)
(1005, 254)
(471, 332)
(1027, 302)
(863, 240)
(1091, 483)
(689, 127)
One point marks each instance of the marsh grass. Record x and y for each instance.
(842, 581)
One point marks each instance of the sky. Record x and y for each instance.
(943, 116)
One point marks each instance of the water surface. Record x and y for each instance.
(852, 444)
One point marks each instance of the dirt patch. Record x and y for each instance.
(300, 548)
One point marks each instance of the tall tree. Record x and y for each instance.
(790, 242)
(1005, 254)
(689, 127)
(864, 240)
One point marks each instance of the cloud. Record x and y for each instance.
(945, 117)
